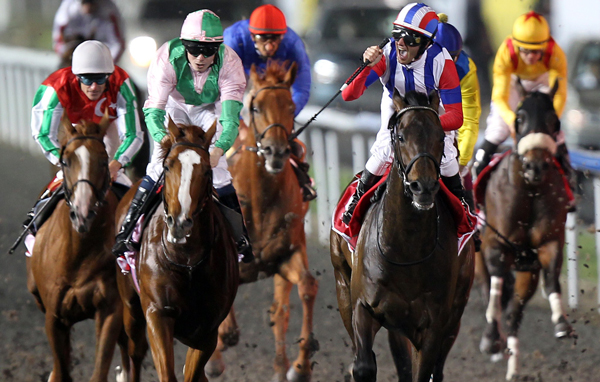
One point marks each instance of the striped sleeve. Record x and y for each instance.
(128, 124)
(358, 86)
(45, 122)
(449, 86)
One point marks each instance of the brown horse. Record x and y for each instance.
(187, 265)
(273, 209)
(406, 273)
(71, 271)
(526, 206)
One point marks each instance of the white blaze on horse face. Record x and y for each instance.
(83, 192)
(188, 159)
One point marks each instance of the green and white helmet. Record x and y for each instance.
(202, 26)
(92, 56)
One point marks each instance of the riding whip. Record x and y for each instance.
(344, 86)
(33, 219)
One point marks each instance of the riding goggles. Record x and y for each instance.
(205, 50)
(89, 79)
(267, 37)
(410, 38)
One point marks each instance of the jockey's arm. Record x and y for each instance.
(232, 84)
(45, 122)
(502, 71)
(128, 124)
(471, 104)
(450, 95)
(558, 71)
(302, 83)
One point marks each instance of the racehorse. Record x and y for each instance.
(274, 211)
(187, 264)
(71, 271)
(406, 273)
(526, 203)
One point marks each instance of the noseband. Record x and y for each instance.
(99, 193)
(403, 170)
(259, 136)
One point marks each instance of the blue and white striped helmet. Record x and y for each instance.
(418, 17)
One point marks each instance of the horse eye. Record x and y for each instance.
(255, 109)
(165, 169)
(400, 138)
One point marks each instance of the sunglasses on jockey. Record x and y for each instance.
(411, 38)
(267, 37)
(89, 79)
(196, 49)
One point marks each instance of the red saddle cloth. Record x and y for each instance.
(466, 223)
(481, 182)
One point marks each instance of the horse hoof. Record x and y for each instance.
(491, 340)
(231, 339)
(121, 375)
(497, 357)
(279, 377)
(563, 329)
(293, 375)
(214, 368)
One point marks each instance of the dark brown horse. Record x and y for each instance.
(274, 212)
(187, 265)
(406, 273)
(526, 206)
(72, 271)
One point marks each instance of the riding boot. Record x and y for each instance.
(123, 241)
(301, 170)
(484, 156)
(230, 200)
(366, 181)
(562, 155)
(454, 184)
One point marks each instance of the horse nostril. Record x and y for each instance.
(187, 223)
(415, 187)
(268, 150)
(72, 215)
(170, 221)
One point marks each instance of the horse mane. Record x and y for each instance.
(274, 72)
(415, 98)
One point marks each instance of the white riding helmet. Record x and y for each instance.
(92, 56)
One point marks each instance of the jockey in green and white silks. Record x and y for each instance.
(195, 79)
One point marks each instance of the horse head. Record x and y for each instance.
(272, 113)
(418, 144)
(536, 125)
(188, 177)
(84, 163)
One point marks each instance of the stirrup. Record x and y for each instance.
(245, 249)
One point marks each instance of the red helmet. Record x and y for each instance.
(267, 19)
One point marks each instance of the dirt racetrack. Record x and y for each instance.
(25, 355)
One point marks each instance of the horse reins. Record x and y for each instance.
(100, 194)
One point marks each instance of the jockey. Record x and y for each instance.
(411, 61)
(530, 54)
(87, 20)
(449, 37)
(92, 85)
(195, 79)
(266, 36)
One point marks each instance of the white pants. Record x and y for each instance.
(204, 116)
(497, 131)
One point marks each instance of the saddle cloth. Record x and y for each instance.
(481, 182)
(465, 220)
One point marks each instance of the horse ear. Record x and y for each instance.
(67, 125)
(521, 90)
(253, 74)
(290, 76)
(398, 100)
(104, 123)
(174, 133)
(434, 100)
(210, 133)
(554, 88)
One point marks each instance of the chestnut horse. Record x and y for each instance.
(526, 205)
(187, 265)
(72, 271)
(271, 201)
(406, 273)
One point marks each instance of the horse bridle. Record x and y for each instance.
(258, 137)
(99, 193)
(403, 170)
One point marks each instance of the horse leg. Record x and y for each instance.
(551, 257)
(342, 272)
(296, 272)
(229, 335)
(59, 339)
(32, 286)
(280, 315)
(400, 349)
(196, 360)
(108, 328)
(160, 334)
(365, 329)
(525, 286)
(123, 371)
(134, 323)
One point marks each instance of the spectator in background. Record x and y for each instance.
(80, 20)
(449, 37)
(266, 36)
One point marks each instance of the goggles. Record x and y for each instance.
(89, 79)
(410, 38)
(531, 51)
(267, 37)
(205, 50)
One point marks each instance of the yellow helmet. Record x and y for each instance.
(531, 31)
